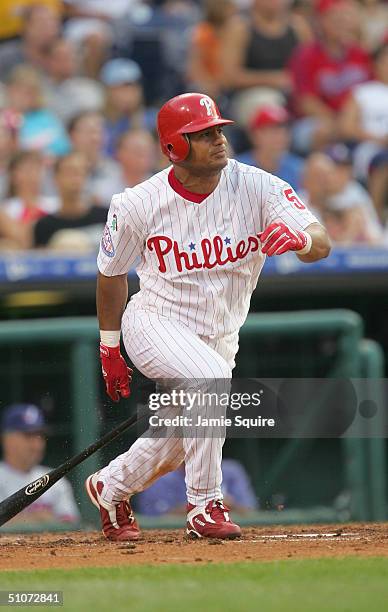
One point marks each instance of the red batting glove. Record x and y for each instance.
(115, 371)
(278, 238)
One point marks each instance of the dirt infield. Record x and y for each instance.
(90, 549)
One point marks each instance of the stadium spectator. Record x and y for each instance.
(137, 156)
(259, 54)
(364, 118)
(11, 238)
(324, 72)
(67, 93)
(168, 494)
(77, 224)
(8, 144)
(316, 182)
(87, 136)
(346, 226)
(364, 122)
(270, 136)
(39, 128)
(91, 27)
(25, 202)
(378, 185)
(211, 43)
(11, 16)
(374, 23)
(41, 25)
(351, 199)
(124, 107)
(337, 202)
(24, 445)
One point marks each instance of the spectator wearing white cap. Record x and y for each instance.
(24, 443)
(124, 101)
(270, 136)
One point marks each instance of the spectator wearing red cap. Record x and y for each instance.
(324, 72)
(270, 137)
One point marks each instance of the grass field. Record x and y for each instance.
(318, 585)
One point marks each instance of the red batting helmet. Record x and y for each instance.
(185, 114)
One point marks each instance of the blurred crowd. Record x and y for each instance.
(81, 82)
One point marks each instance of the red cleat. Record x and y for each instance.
(211, 521)
(118, 522)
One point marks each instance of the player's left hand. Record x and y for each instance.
(279, 238)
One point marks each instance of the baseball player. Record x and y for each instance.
(200, 231)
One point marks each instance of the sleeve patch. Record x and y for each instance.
(107, 243)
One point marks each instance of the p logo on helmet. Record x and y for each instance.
(185, 114)
(209, 107)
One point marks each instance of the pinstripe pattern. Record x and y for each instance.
(164, 348)
(198, 265)
(213, 302)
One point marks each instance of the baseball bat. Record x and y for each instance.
(16, 502)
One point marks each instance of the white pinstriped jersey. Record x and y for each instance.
(198, 263)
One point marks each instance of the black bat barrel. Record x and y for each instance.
(16, 502)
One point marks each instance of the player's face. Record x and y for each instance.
(208, 151)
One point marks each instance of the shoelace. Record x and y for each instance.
(124, 513)
(216, 509)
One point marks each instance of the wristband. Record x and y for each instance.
(306, 249)
(110, 339)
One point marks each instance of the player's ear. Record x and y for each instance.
(178, 152)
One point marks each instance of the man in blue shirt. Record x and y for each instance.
(124, 101)
(168, 494)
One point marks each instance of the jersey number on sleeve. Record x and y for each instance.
(293, 198)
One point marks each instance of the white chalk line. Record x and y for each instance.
(311, 536)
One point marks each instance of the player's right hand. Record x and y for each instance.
(116, 373)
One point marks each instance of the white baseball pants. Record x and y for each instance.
(164, 348)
